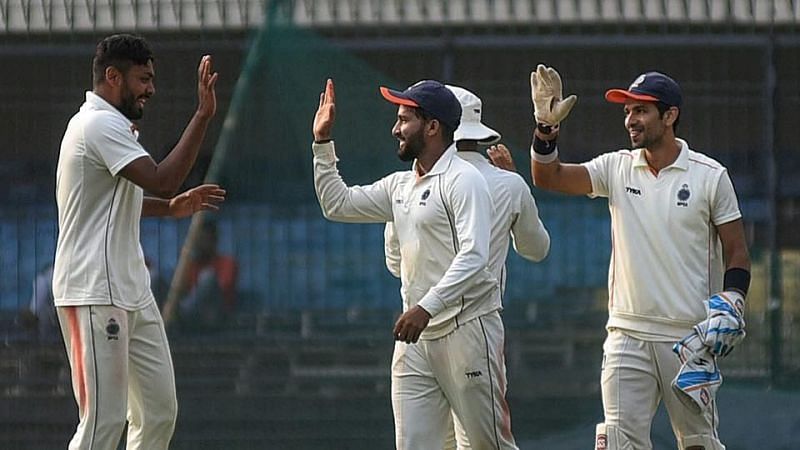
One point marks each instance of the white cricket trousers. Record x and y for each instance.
(121, 371)
(636, 375)
(462, 373)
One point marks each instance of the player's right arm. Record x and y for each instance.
(339, 202)
(550, 109)
(554, 175)
(165, 178)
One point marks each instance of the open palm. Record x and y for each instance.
(326, 113)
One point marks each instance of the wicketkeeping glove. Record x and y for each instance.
(549, 106)
(723, 328)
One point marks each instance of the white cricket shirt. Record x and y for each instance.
(666, 257)
(99, 260)
(515, 216)
(443, 223)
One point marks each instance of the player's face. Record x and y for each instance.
(409, 130)
(644, 123)
(137, 87)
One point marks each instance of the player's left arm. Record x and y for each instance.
(724, 326)
(469, 203)
(205, 197)
(726, 216)
(734, 245)
(471, 207)
(391, 249)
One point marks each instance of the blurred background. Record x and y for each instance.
(279, 320)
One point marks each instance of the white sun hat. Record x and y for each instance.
(471, 127)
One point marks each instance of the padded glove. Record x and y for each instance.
(549, 107)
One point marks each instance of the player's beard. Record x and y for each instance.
(411, 146)
(648, 137)
(129, 106)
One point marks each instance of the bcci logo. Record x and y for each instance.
(112, 330)
(683, 196)
(424, 197)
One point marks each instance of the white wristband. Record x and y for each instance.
(544, 159)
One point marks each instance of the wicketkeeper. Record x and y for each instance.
(679, 269)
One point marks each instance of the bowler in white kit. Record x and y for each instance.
(117, 348)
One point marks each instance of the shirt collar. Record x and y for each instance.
(682, 162)
(99, 102)
(442, 163)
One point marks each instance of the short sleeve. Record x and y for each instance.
(725, 206)
(112, 142)
(599, 169)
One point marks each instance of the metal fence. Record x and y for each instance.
(741, 95)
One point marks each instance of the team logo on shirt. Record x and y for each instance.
(424, 197)
(473, 374)
(112, 329)
(683, 195)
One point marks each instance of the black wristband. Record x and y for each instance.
(323, 141)
(737, 279)
(543, 147)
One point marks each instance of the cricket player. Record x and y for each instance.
(677, 238)
(117, 348)
(449, 350)
(516, 216)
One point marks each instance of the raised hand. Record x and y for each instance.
(500, 157)
(546, 92)
(205, 197)
(326, 113)
(206, 83)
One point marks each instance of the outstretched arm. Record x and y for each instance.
(165, 178)
(205, 197)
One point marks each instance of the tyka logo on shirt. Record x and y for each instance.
(425, 195)
(112, 329)
(683, 196)
(633, 191)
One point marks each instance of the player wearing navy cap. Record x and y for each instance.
(448, 353)
(515, 219)
(677, 239)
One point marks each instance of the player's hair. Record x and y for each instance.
(662, 108)
(121, 51)
(447, 131)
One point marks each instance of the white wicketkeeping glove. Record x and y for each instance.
(549, 106)
(723, 328)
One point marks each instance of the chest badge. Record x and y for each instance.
(424, 197)
(683, 196)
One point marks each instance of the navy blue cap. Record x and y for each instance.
(432, 97)
(649, 87)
